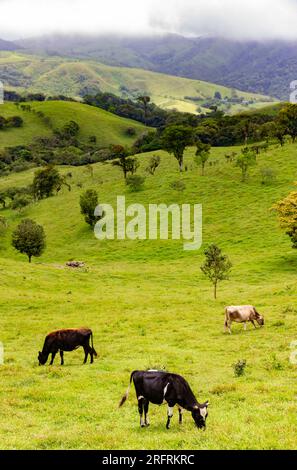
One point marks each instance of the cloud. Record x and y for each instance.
(241, 19)
(254, 19)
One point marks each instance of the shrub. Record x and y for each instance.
(88, 203)
(135, 182)
(239, 368)
(178, 185)
(21, 201)
(268, 175)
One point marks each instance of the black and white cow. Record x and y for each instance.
(160, 387)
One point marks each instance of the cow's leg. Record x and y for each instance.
(62, 357)
(140, 410)
(245, 326)
(169, 414)
(86, 354)
(92, 355)
(53, 357)
(252, 321)
(180, 411)
(146, 409)
(229, 323)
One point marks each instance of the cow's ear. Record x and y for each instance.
(207, 403)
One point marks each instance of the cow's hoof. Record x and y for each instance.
(147, 425)
(142, 425)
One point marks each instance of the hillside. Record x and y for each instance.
(107, 127)
(8, 45)
(150, 306)
(266, 67)
(56, 75)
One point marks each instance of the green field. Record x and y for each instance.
(150, 306)
(107, 127)
(71, 77)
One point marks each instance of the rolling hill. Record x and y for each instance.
(150, 307)
(73, 77)
(107, 127)
(266, 67)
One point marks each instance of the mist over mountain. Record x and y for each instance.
(8, 45)
(265, 67)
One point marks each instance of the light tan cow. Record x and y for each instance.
(242, 314)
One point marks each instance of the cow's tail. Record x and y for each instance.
(94, 352)
(124, 397)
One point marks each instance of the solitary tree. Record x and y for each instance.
(46, 181)
(287, 213)
(246, 159)
(88, 204)
(122, 158)
(153, 164)
(175, 139)
(216, 266)
(202, 155)
(29, 238)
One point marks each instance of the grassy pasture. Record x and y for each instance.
(149, 306)
(107, 127)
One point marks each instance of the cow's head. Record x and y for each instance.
(200, 414)
(259, 319)
(42, 358)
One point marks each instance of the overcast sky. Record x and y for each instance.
(255, 19)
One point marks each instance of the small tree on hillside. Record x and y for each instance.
(175, 139)
(29, 238)
(287, 213)
(202, 155)
(153, 164)
(46, 181)
(122, 157)
(88, 203)
(246, 159)
(216, 266)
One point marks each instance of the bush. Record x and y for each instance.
(239, 368)
(268, 175)
(88, 203)
(135, 182)
(178, 185)
(21, 201)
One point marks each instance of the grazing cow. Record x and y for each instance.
(67, 340)
(242, 314)
(160, 387)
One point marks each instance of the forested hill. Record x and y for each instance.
(262, 67)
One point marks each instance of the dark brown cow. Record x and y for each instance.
(67, 340)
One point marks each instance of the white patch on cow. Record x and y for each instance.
(140, 397)
(153, 370)
(142, 424)
(165, 390)
(203, 412)
(170, 412)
